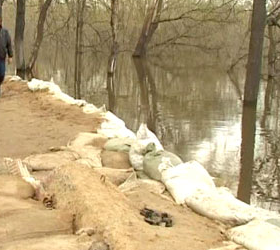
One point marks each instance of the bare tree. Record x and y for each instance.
(112, 61)
(149, 27)
(253, 72)
(250, 99)
(19, 38)
(39, 37)
(78, 47)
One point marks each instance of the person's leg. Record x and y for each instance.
(2, 72)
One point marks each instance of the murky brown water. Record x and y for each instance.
(196, 112)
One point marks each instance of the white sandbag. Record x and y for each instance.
(183, 180)
(114, 127)
(119, 144)
(35, 85)
(152, 163)
(144, 134)
(220, 205)
(90, 109)
(256, 235)
(68, 99)
(13, 79)
(139, 148)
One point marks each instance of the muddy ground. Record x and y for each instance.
(31, 123)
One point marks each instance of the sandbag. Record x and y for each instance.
(114, 127)
(119, 144)
(50, 161)
(117, 160)
(23, 224)
(116, 176)
(139, 148)
(229, 245)
(89, 108)
(151, 185)
(39, 85)
(53, 242)
(89, 153)
(186, 178)
(15, 186)
(154, 159)
(220, 205)
(256, 235)
(87, 139)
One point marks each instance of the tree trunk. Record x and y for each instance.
(78, 47)
(19, 38)
(39, 36)
(250, 99)
(1, 4)
(112, 61)
(255, 51)
(149, 27)
(247, 152)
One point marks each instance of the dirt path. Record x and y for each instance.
(33, 122)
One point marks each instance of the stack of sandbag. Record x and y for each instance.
(138, 149)
(119, 144)
(257, 234)
(191, 184)
(219, 204)
(154, 161)
(114, 127)
(39, 85)
(183, 180)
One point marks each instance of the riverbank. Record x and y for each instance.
(32, 123)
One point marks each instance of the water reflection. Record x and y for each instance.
(196, 112)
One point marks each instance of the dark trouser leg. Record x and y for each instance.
(2, 72)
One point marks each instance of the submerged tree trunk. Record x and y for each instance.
(247, 152)
(149, 27)
(78, 48)
(253, 72)
(112, 61)
(39, 37)
(19, 39)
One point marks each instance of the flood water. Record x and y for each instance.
(195, 109)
